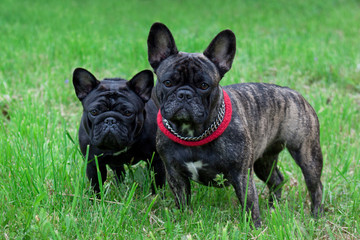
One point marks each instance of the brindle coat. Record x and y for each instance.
(266, 119)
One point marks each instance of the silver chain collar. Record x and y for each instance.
(207, 132)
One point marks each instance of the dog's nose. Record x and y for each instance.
(110, 121)
(184, 94)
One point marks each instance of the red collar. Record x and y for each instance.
(211, 137)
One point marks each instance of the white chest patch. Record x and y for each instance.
(194, 168)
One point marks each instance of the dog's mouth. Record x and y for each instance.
(184, 113)
(109, 142)
(110, 137)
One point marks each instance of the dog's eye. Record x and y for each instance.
(167, 83)
(204, 86)
(127, 113)
(94, 112)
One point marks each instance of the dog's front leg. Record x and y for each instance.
(180, 187)
(245, 189)
(119, 171)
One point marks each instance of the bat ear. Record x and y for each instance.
(161, 44)
(84, 82)
(221, 51)
(142, 84)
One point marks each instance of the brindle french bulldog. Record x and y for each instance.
(118, 124)
(236, 130)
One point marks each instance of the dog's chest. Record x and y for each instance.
(194, 169)
(202, 164)
(200, 169)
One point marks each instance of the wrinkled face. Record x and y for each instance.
(114, 115)
(113, 108)
(188, 83)
(187, 88)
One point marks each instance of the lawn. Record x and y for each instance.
(310, 46)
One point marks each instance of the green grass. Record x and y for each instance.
(310, 46)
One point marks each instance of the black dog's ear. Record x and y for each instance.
(221, 51)
(161, 44)
(142, 84)
(84, 82)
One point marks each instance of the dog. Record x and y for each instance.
(206, 130)
(118, 124)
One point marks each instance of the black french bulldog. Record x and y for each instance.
(236, 130)
(118, 124)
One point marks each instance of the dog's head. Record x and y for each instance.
(113, 108)
(187, 87)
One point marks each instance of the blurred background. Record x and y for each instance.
(310, 46)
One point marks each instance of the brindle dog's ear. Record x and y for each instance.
(84, 82)
(161, 44)
(142, 84)
(221, 51)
